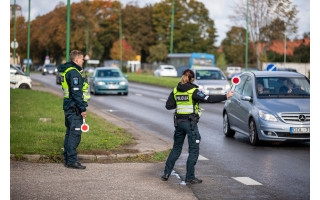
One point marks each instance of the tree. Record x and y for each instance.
(234, 46)
(138, 29)
(261, 14)
(193, 29)
(127, 52)
(158, 52)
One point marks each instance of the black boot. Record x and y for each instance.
(76, 165)
(193, 181)
(165, 177)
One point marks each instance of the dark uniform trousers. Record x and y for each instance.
(72, 139)
(183, 129)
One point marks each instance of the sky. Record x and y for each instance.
(219, 11)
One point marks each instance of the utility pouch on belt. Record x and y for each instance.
(194, 119)
(175, 119)
(76, 109)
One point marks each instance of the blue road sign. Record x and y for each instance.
(25, 61)
(271, 67)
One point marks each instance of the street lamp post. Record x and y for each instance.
(28, 54)
(285, 47)
(14, 33)
(172, 26)
(120, 35)
(247, 37)
(68, 32)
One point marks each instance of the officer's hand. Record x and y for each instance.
(230, 94)
(84, 114)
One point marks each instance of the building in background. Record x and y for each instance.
(18, 11)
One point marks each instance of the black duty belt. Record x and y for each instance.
(183, 116)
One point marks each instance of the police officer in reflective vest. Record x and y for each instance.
(185, 98)
(76, 97)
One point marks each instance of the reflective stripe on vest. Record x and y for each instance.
(185, 104)
(65, 87)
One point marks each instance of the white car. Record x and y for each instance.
(165, 70)
(18, 79)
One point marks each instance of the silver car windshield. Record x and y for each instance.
(209, 75)
(111, 73)
(286, 87)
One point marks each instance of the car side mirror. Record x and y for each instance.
(246, 98)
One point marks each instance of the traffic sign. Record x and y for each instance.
(84, 126)
(25, 61)
(271, 67)
(12, 44)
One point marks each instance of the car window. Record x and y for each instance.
(239, 87)
(111, 73)
(209, 75)
(247, 90)
(286, 87)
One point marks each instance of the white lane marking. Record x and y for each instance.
(138, 94)
(202, 158)
(163, 100)
(246, 181)
(178, 177)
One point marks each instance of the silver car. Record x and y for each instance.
(269, 106)
(211, 80)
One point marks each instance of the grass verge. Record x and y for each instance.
(29, 135)
(148, 78)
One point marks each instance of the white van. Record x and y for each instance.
(18, 79)
(232, 70)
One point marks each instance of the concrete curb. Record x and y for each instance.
(147, 142)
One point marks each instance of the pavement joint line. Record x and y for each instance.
(246, 181)
(139, 95)
(202, 158)
(163, 100)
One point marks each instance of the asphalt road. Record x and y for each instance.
(280, 171)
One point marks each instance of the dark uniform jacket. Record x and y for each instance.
(197, 96)
(75, 83)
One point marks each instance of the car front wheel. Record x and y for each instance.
(253, 135)
(226, 126)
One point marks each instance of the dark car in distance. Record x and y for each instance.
(49, 69)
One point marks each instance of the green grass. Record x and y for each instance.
(155, 157)
(28, 135)
(148, 78)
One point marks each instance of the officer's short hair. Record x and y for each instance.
(74, 54)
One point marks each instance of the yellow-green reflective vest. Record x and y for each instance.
(65, 87)
(185, 104)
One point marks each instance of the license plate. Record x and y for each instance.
(111, 86)
(299, 130)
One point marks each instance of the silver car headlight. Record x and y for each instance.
(266, 116)
(101, 83)
(44, 70)
(227, 87)
(123, 83)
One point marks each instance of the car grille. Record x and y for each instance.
(297, 118)
(290, 135)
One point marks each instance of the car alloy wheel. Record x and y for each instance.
(226, 126)
(254, 139)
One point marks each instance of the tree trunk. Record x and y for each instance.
(259, 66)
